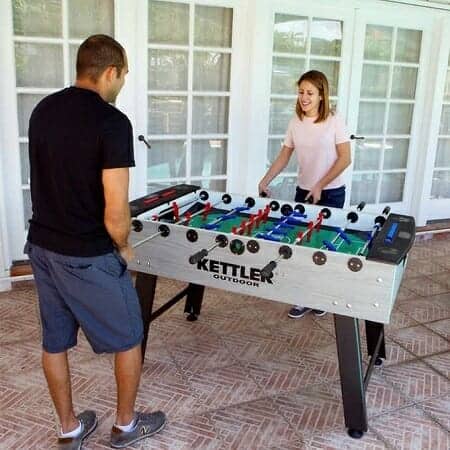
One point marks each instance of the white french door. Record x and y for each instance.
(293, 37)
(387, 106)
(189, 107)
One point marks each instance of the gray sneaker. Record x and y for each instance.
(89, 422)
(146, 425)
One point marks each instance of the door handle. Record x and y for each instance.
(352, 137)
(142, 139)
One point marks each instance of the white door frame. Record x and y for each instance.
(13, 238)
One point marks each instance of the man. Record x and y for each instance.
(81, 148)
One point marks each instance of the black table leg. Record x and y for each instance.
(194, 299)
(145, 287)
(352, 377)
(375, 332)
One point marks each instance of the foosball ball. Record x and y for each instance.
(349, 263)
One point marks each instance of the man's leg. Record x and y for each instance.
(128, 366)
(57, 373)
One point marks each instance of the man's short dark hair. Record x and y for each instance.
(97, 53)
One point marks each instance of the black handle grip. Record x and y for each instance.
(197, 257)
(352, 137)
(267, 271)
(263, 194)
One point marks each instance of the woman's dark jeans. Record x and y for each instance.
(334, 198)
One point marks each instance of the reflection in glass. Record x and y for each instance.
(166, 159)
(283, 188)
(213, 185)
(441, 184)
(447, 86)
(210, 115)
(167, 115)
(330, 69)
(400, 118)
(88, 17)
(285, 73)
(27, 211)
(167, 70)
(396, 154)
(168, 23)
(211, 71)
(24, 164)
(367, 154)
(25, 106)
(41, 18)
(443, 153)
(404, 82)
(445, 120)
(374, 81)
(326, 37)
(364, 188)
(209, 157)
(73, 49)
(281, 112)
(155, 187)
(290, 34)
(371, 118)
(46, 57)
(273, 149)
(213, 26)
(378, 43)
(407, 48)
(392, 185)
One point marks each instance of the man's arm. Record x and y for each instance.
(117, 211)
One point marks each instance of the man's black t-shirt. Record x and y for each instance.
(73, 135)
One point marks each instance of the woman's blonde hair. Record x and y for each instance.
(319, 80)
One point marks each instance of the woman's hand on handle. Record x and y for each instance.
(314, 194)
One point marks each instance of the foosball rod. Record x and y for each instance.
(379, 222)
(352, 217)
(173, 207)
(158, 233)
(325, 213)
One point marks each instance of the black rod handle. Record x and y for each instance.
(267, 270)
(197, 257)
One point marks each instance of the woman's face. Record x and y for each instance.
(309, 98)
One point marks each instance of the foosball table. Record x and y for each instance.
(349, 263)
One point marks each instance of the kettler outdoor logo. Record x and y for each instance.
(233, 273)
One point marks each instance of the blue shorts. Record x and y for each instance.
(95, 293)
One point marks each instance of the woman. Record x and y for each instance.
(322, 147)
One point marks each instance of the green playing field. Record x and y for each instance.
(316, 238)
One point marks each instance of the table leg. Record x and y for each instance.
(145, 287)
(351, 371)
(194, 299)
(374, 332)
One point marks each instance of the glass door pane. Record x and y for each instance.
(387, 98)
(189, 66)
(300, 43)
(41, 40)
(440, 188)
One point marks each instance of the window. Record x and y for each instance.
(189, 64)
(386, 106)
(300, 43)
(441, 174)
(47, 34)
